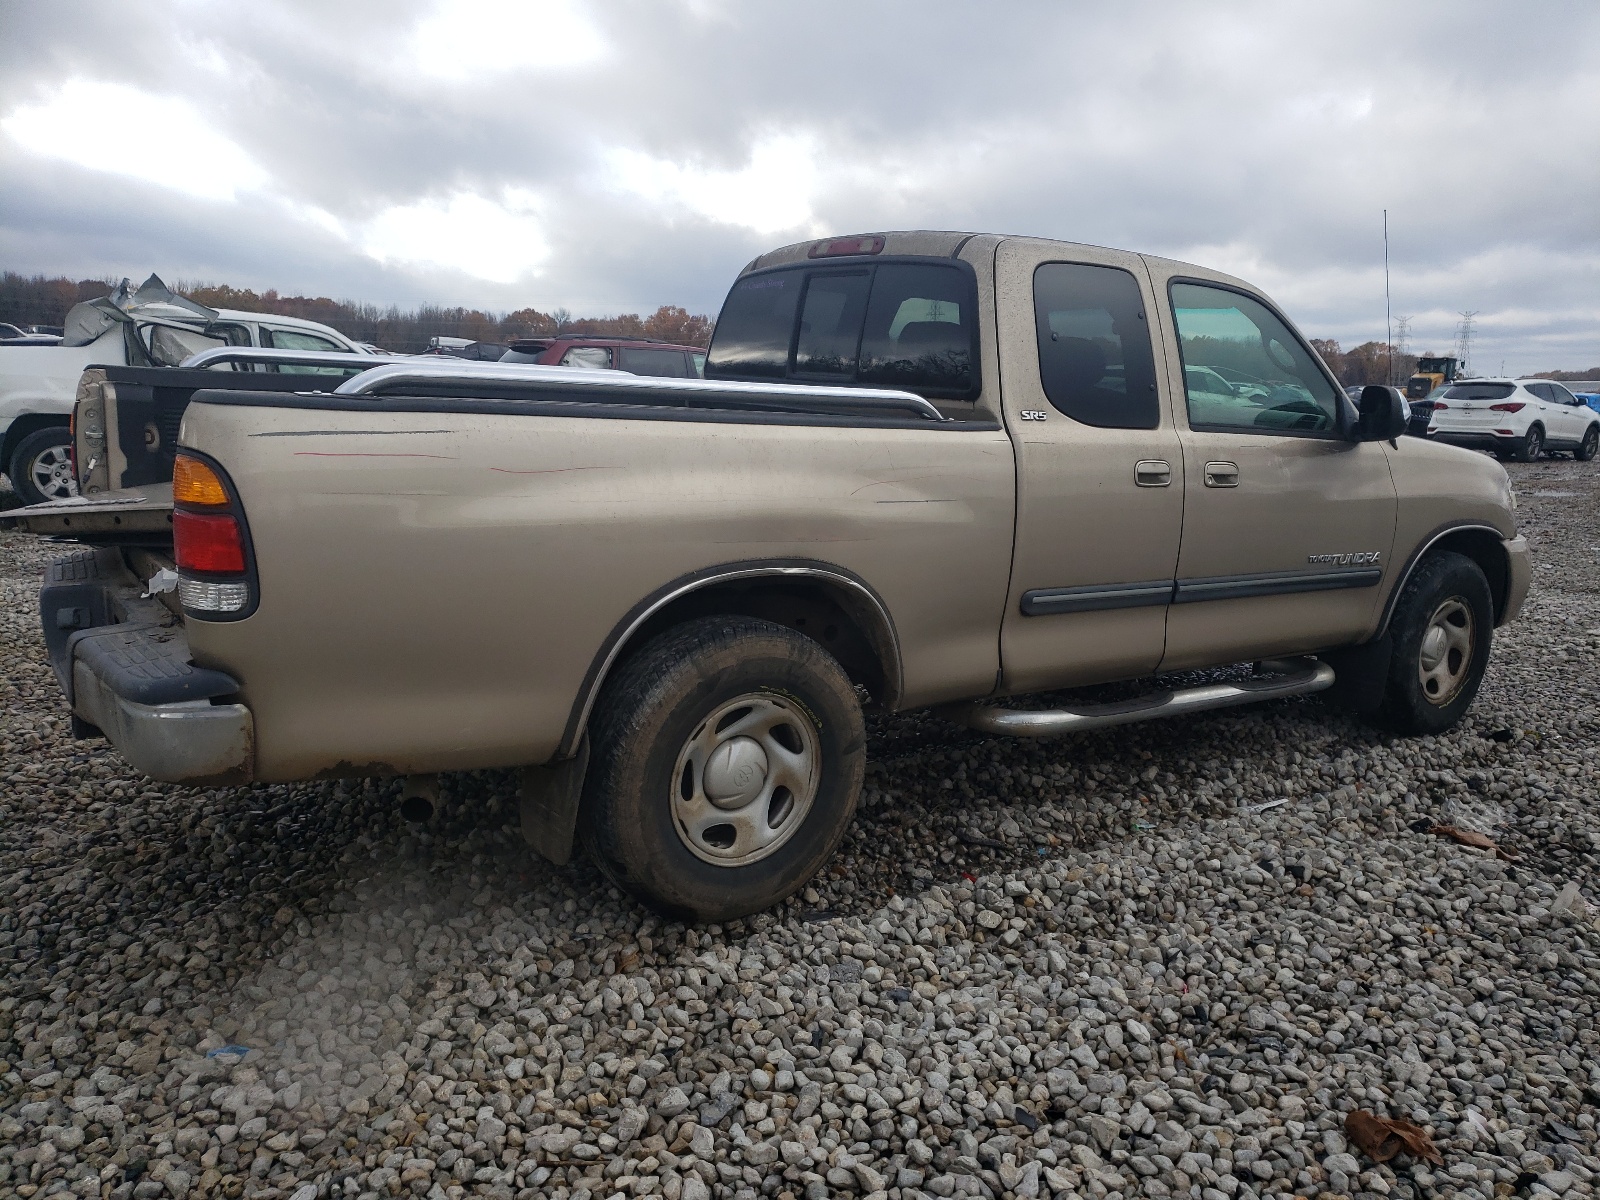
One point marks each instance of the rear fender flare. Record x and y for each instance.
(860, 601)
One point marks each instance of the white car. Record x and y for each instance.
(150, 327)
(1515, 418)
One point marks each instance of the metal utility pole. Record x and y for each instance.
(1464, 339)
(1388, 323)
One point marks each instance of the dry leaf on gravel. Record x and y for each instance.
(1382, 1138)
(1471, 837)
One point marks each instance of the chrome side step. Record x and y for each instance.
(1291, 677)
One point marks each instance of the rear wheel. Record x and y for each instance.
(41, 466)
(1532, 444)
(1590, 444)
(1442, 629)
(727, 758)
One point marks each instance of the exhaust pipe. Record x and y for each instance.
(419, 800)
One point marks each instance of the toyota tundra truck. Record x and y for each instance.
(923, 471)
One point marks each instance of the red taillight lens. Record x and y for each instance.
(1516, 406)
(204, 542)
(1438, 404)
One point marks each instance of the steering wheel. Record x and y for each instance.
(1305, 414)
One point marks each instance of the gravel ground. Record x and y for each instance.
(1087, 967)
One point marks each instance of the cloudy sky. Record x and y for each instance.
(611, 157)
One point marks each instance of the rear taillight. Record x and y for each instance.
(1438, 404)
(207, 542)
(1514, 406)
(216, 569)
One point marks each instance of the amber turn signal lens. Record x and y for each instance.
(195, 483)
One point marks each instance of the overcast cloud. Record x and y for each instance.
(614, 157)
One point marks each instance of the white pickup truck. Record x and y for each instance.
(149, 327)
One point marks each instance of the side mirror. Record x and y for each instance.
(1384, 414)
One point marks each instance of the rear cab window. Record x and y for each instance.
(906, 323)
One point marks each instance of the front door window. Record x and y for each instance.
(1244, 371)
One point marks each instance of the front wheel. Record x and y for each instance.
(1442, 628)
(727, 758)
(1531, 446)
(41, 466)
(1590, 444)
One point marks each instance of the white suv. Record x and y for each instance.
(1516, 418)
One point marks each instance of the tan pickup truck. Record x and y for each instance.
(923, 470)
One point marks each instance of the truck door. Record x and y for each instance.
(1288, 525)
(1100, 481)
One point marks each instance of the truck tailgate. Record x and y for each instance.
(140, 516)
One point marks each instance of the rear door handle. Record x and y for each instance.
(1222, 474)
(1152, 472)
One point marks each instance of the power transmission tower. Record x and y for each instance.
(1464, 338)
(1402, 336)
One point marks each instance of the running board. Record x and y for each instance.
(1292, 677)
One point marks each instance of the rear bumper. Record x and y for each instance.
(123, 662)
(1518, 577)
(1472, 441)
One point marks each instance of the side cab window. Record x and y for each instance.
(1095, 360)
(1244, 370)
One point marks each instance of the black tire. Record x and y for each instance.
(1531, 445)
(41, 466)
(1440, 581)
(1590, 444)
(660, 703)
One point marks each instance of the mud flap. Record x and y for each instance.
(1360, 675)
(550, 797)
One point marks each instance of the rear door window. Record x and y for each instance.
(899, 324)
(668, 364)
(295, 339)
(595, 357)
(1095, 360)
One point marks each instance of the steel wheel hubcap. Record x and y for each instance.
(745, 780)
(51, 472)
(1446, 652)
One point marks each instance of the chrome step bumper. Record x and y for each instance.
(1291, 677)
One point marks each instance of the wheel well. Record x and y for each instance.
(21, 428)
(829, 615)
(1482, 547)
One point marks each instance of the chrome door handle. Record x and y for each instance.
(1152, 472)
(1222, 474)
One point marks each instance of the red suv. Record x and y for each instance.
(637, 356)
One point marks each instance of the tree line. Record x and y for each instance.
(38, 300)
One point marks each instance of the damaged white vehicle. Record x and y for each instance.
(150, 327)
